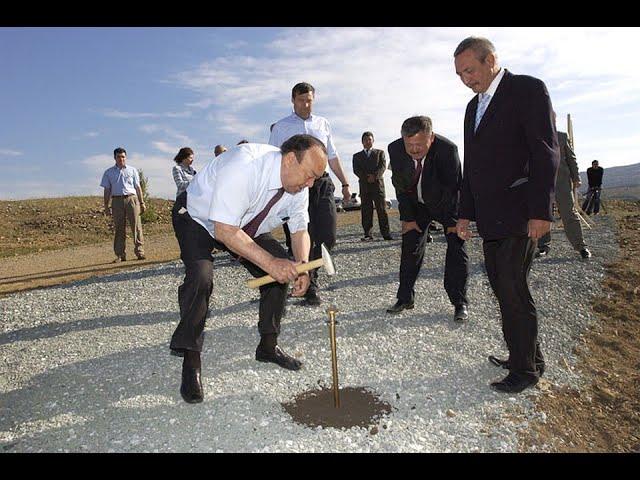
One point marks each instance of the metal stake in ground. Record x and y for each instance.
(332, 310)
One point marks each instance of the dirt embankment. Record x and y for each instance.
(604, 416)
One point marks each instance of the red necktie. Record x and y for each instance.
(252, 227)
(416, 176)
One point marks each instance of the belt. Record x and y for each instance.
(123, 196)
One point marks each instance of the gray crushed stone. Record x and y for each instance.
(85, 367)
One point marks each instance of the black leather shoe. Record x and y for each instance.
(278, 357)
(312, 298)
(513, 383)
(191, 388)
(367, 238)
(461, 313)
(498, 362)
(543, 252)
(585, 253)
(399, 306)
(388, 237)
(429, 238)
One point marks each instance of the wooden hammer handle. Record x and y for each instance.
(304, 267)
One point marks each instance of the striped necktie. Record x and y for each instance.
(482, 107)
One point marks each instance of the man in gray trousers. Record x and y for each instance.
(568, 178)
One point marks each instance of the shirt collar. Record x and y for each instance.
(309, 119)
(494, 84)
(275, 182)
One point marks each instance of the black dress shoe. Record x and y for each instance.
(388, 237)
(543, 252)
(585, 253)
(399, 306)
(312, 298)
(514, 383)
(279, 357)
(429, 238)
(498, 362)
(191, 388)
(461, 313)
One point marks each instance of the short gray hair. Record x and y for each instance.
(481, 47)
(414, 125)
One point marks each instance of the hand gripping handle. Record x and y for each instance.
(304, 267)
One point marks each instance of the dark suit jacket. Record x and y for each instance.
(441, 179)
(375, 164)
(510, 162)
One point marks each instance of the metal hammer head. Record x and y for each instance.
(328, 263)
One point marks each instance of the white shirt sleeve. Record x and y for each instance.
(299, 215)
(331, 148)
(232, 198)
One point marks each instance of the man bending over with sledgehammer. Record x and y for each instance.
(233, 204)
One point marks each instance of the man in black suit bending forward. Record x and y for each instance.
(426, 175)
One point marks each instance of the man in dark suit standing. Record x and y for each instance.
(426, 175)
(369, 165)
(511, 157)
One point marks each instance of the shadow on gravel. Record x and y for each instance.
(55, 329)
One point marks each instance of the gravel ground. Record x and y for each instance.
(86, 366)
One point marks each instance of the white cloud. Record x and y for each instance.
(113, 113)
(374, 78)
(6, 152)
(164, 147)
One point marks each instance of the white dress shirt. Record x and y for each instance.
(315, 125)
(234, 188)
(493, 87)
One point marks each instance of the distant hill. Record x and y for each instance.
(618, 182)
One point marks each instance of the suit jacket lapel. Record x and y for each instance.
(470, 120)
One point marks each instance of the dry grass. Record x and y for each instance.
(29, 226)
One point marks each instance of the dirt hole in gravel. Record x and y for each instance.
(359, 407)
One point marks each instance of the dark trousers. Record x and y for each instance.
(508, 262)
(193, 295)
(368, 200)
(456, 267)
(322, 221)
(592, 202)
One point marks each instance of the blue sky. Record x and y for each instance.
(69, 96)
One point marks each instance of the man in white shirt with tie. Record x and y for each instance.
(233, 204)
(322, 206)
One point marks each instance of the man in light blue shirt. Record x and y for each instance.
(121, 184)
(322, 205)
